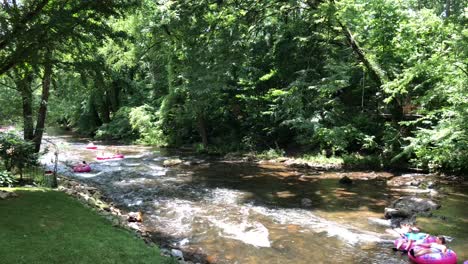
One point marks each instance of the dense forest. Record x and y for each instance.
(380, 81)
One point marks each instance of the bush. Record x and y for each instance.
(6, 179)
(338, 140)
(119, 127)
(356, 161)
(271, 154)
(16, 153)
(145, 121)
(440, 149)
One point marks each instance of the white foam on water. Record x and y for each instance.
(88, 174)
(177, 217)
(254, 233)
(317, 224)
(156, 170)
(134, 202)
(128, 164)
(225, 196)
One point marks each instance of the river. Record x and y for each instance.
(246, 212)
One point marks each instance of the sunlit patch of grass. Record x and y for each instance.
(322, 159)
(45, 226)
(271, 154)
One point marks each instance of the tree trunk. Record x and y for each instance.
(376, 73)
(24, 87)
(448, 5)
(101, 100)
(202, 131)
(41, 116)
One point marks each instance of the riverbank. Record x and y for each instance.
(46, 226)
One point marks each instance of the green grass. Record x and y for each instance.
(45, 226)
(321, 159)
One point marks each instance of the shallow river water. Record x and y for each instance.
(244, 212)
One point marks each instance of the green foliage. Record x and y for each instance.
(357, 161)
(338, 140)
(443, 147)
(322, 159)
(271, 154)
(6, 179)
(146, 123)
(119, 127)
(15, 152)
(378, 78)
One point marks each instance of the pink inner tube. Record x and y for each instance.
(91, 147)
(85, 168)
(116, 156)
(430, 239)
(450, 257)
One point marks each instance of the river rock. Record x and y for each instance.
(172, 162)
(345, 180)
(406, 208)
(177, 254)
(413, 179)
(6, 195)
(415, 205)
(297, 164)
(306, 202)
(135, 217)
(396, 213)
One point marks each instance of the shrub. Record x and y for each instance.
(356, 161)
(16, 153)
(271, 154)
(145, 121)
(6, 179)
(338, 140)
(119, 127)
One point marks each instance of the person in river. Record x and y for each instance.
(435, 247)
(82, 164)
(411, 236)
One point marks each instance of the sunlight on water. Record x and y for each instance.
(318, 224)
(254, 234)
(238, 213)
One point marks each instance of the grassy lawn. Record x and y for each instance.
(45, 226)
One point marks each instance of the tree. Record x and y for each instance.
(50, 34)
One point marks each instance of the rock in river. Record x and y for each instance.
(172, 162)
(407, 207)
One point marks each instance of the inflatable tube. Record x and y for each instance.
(116, 156)
(91, 146)
(430, 239)
(85, 168)
(450, 257)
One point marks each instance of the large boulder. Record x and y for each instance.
(406, 208)
(415, 205)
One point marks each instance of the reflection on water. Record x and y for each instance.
(257, 213)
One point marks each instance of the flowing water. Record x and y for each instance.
(241, 212)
